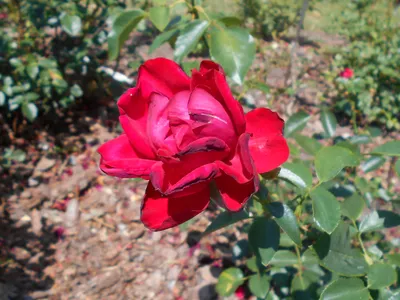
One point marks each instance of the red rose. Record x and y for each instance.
(185, 133)
(347, 73)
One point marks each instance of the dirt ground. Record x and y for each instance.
(67, 231)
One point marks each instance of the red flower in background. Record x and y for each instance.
(347, 73)
(184, 133)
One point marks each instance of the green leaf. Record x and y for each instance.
(162, 38)
(329, 161)
(326, 209)
(17, 155)
(397, 167)
(360, 139)
(159, 16)
(31, 96)
(394, 259)
(346, 289)
(284, 258)
(188, 38)
(188, 66)
(372, 163)
(329, 122)
(258, 85)
(391, 148)
(371, 222)
(29, 110)
(234, 48)
(72, 25)
(296, 173)
(381, 275)
(76, 91)
(264, 239)
(229, 281)
(391, 219)
(121, 28)
(335, 253)
(225, 219)
(310, 145)
(240, 249)
(296, 122)
(286, 219)
(230, 21)
(259, 285)
(32, 70)
(353, 206)
(2, 98)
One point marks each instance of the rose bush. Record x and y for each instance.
(189, 137)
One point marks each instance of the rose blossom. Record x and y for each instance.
(347, 73)
(188, 137)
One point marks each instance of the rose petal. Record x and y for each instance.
(159, 212)
(179, 119)
(210, 117)
(163, 76)
(158, 124)
(212, 79)
(268, 147)
(118, 159)
(178, 178)
(238, 180)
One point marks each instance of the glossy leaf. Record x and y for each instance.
(264, 239)
(391, 148)
(32, 70)
(121, 28)
(30, 110)
(162, 38)
(229, 281)
(234, 48)
(286, 219)
(284, 258)
(397, 167)
(72, 25)
(372, 163)
(76, 91)
(346, 289)
(381, 275)
(225, 219)
(2, 98)
(353, 206)
(329, 161)
(371, 222)
(329, 122)
(298, 174)
(188, 38)
(159, 16)
(309, 145)
(259, 285)
(296, 122)
(326, 209)
(335, 253)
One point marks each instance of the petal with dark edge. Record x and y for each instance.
(159, 212)
(238, 179)
(210, 119)
(267, 145)
(171, 179)
(118, 159)
(212, 79)
(162, 76)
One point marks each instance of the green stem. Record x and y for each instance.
(300, 269)
(367, 257)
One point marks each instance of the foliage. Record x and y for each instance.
(373, 94)
(309, 236)
(50, 53)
